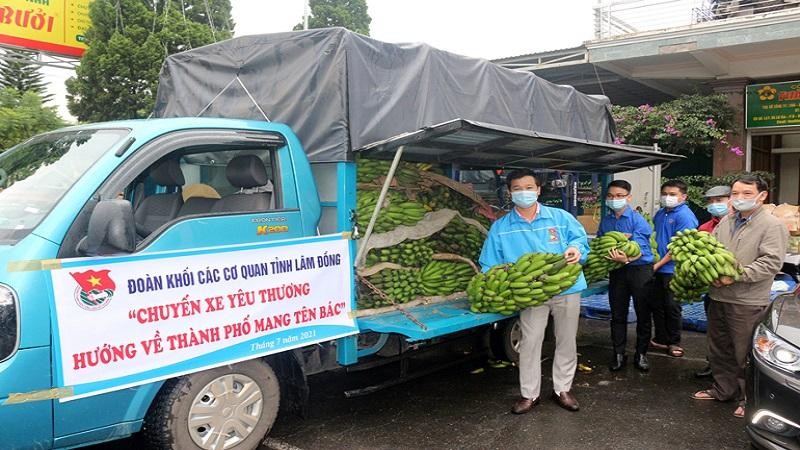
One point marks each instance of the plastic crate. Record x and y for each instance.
(597, 307)
(694, 317)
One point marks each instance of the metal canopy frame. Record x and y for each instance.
(56, 61)
(476, 145)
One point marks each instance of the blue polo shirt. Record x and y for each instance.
(632, 223)
(553, 230)
(668, 222)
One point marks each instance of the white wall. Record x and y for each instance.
(789, 170)
(789, 181)
(644, 187)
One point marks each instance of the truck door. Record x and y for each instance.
(190, 189)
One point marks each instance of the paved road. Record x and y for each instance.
(454, 409)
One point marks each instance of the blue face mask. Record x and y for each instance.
(616, 204)
(717, 209)
(524, 199)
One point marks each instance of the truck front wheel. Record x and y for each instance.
(227, 407)
(505, 340)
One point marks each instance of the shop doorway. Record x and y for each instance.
(780, 155)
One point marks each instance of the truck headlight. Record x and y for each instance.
(775, 350)
(9, 322)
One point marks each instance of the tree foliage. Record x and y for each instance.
(23, 115)
(19, 71)
(350, 14)
(689, 124)
(127, 43)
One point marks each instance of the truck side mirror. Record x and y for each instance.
(111, 229)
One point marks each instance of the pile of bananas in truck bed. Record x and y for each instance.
(406, 284)
(413, 192)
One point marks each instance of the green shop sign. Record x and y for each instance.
(773, 105)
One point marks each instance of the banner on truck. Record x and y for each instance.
(130, 320)
(53, 26)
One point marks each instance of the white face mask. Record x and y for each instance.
(741, 204)
(670, 201)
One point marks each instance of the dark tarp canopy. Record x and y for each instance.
(340, 91)
(474, 145)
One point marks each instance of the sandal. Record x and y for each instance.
(657, 346)
(738, 412)
(675, 351)
(705, 394)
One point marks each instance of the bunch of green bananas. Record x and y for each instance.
(597, 265)
(368, 170)
(400, 211)
(460, 238)
(400, 285)
(407, 254)
(700, 259)
(440, 197)
(406, 174)
(653, 242)
(445, 277)
(532, 280)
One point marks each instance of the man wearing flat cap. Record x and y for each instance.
(717, 204)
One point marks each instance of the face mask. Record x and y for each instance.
(740, 204)
(616, 204)
(524, 199)
(670, 201)
(717, 209)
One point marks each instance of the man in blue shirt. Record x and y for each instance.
(630, 280)
(532, 227)
(673, 217)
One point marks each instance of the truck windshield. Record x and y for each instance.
(35, 175)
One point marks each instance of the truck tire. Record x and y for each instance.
(226, 407)
(505, 340)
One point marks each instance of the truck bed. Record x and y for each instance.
(433, 320)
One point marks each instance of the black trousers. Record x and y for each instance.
(626, 282)
(667, 313)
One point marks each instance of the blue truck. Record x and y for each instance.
(178, 201)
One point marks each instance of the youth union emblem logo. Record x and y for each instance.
(95, 289)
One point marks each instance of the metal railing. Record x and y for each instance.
(620, 17)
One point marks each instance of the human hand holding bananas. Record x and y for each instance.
(724, 281)
(618, 256)
(572, 255)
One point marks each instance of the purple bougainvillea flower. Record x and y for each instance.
(711, 122)
(619, 140)
(737, 151)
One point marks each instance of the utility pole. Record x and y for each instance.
(305, 14)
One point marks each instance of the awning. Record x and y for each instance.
(476, 145)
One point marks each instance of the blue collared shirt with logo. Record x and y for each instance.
(631, 223)
(668, 222)
(553, 230)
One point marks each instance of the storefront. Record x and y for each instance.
(773, 136)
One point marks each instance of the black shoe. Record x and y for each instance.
(640, 362)
(705, 373)
(618, 363)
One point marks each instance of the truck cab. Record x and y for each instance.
(188, 183)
